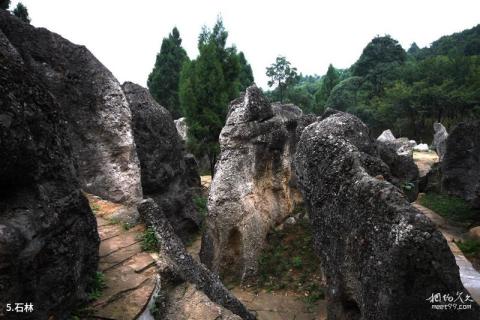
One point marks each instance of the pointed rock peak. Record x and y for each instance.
(250, 106)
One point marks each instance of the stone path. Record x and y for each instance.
(129, 272)
(469, 276)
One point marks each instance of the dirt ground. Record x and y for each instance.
(424, 161)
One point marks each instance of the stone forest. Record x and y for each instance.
(115, 205)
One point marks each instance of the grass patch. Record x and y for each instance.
(469, 247)
(289, 263)
(127, 226)
(98, 284)
(450, 207)
(149, 240)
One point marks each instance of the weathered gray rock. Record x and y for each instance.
(440, 139)
(182, 268)
(182, 128)
(382, 258)
(48, 234)
(461, 162)
(96, 110)
(398, 155)
(251, 190)
(386, 135)
(168, 173)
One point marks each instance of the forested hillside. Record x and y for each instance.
(406, 91)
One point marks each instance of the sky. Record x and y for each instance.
(126, 35)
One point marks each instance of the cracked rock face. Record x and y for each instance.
(96, 111)
(253, 186)
(48, 234)
(382, 258)
(167, 172)
(461, 163)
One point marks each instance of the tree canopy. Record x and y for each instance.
(389, 88)
(281, 74)
(21, 12)
(207, 85)
(163, 81)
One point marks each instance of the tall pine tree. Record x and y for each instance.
(246, 73)
(207, 84)
(21, 12)
(163, 81)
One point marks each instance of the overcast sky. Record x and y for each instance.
(126, 35)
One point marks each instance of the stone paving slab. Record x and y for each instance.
(119, 242)
(119, 256)
(108, 231)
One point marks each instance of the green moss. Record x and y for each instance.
(450, 207)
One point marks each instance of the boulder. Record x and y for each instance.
(96, 111)
(422, 147)
(182, 128)
(432, 181)
(439, 139)
(386, 135)
(48, 234)
(167, 172)
(252, 189)
(461, 163)
(398, 155)
(474, 233)
(382, 257)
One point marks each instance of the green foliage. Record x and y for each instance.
(378, 54)
(469, 247)
(95, 208)
(21, 12)
(149, 240)
(246, 74)
(282, 75)
(288, 262)
(345, 95)
(97, 286)
(4, 4)
(408, 186)
(200, 203)
(414, 50)
(207, 85)
(163, 81)
(460, 43)
(450, 207)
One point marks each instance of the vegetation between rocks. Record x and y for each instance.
(149, 240)
(289, 263)
(450, 207)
